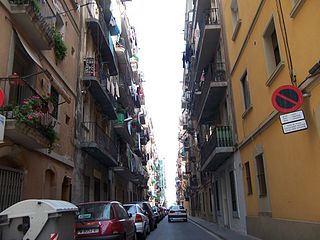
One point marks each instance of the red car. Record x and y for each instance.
(103, 220)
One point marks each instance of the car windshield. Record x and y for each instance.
(130, 208)
(176, 207)
(94, 212)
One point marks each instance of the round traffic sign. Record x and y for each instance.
(287, 98)
(1, 97)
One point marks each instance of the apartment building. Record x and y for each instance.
(272, 44)
(213, 165)
(38, 74)
(110, 151)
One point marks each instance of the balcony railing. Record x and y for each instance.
(97, 143)
(28, 115)
(209, 24)
(96, 79)
(101, 35)
(121, 128)
(35, 19)
(212, 91)
(218, 147)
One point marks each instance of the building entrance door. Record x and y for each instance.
(224, 196)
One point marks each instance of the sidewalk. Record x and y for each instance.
(221, 232)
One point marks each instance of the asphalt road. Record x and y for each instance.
(180, 231)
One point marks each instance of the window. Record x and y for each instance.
(236, 22)
(296, 6)
(86, 188)
(234, 12)
(216, 188)
(261, 176)
(96, 189)
(248, 177)
(275, 47)
(94, 212)
(246, 91)
(272, 51)
(233, 191)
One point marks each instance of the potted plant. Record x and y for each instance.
(32, 112)
(60, 48)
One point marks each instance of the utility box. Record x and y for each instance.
(38, 219)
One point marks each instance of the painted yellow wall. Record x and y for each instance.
(292, 161)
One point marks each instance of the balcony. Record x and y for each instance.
(137, 145)
(35, 21)
(210, 28)
(28, 120)
(123, 170)
(121, 128)
(217, 149)
(98, 144)
(212, 92)
(136, 100)
(96, 82)
(101, 36)
(125, 95)
(142, 118)
(123, 60)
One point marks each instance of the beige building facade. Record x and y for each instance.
(38, 70)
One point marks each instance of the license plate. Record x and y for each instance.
(87, 231)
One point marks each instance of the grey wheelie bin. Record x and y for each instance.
(38, 219)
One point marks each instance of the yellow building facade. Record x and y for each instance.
(270, 44)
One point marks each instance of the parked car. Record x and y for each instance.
(140, 219)
(103, 220)
(155, 210)
(149, 213)
(177, 212)
(162, 211)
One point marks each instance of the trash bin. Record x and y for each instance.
(38, 219)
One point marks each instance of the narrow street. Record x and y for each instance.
(180, 231)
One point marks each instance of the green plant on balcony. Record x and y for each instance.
(60, 48)
(34, 3)
(32, 111)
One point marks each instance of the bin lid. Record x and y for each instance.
(32, 206)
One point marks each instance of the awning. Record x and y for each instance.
(34, 56)
(58, 87)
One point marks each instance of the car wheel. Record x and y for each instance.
(143, 235)
(135, 236)
(169, 220)
(148, 229)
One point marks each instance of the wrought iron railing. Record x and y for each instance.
(209, 17)
(43, 14)
(25, 105)
(220, 137)
(96, 11)
(92, 133)
(92, 68)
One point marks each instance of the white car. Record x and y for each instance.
(177, 212)
(140, 219)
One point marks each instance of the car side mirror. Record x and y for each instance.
(130, 215)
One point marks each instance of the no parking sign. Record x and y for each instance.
(287, 98)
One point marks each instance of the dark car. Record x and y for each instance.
(156, 212)
(103, 220)
(149, 213)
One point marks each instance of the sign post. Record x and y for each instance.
(288, 99)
